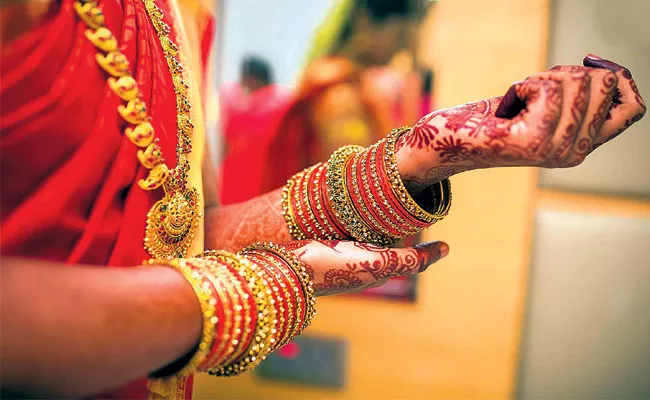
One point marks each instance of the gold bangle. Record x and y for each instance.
(300, 270)
(278, 276)
(444, 204)
(287, 211)
(344, 210)
(396, 180)
(266, 313)
(203, 294)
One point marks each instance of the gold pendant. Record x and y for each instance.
(171, 224)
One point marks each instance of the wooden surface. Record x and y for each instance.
(460, 339)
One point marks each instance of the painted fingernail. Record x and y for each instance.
(430, 252)
(511, 105)
(443, 248)
(597, 62)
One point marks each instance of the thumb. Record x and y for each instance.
(429, 253)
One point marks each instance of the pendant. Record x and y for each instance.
(171, 223)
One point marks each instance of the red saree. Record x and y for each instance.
(67, 171)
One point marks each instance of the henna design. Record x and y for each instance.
(578, 109)
(421, 136)
(452, 149)
(355, 270)
(609, 85)
(236, 226)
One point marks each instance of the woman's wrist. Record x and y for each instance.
(359, 194)
(251, 303)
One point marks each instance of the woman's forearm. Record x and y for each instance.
(78, 331)
(235, 226)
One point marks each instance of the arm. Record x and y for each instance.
(78, 331)
(83, 330)
(552, 119)
(235, 226)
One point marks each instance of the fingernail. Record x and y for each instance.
(511, 105)
(443, 248)
(431, 252)
(594, 57)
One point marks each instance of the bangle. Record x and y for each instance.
(396, 180)
(342, 204)
(369, 214)
(359, 194)
(245, 317)
(289, 317)
(317, 192)
(287, 209)
(203, 294)
(260, 346)
(300, 271)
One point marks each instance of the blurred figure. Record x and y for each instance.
(250, 113)
(348, 94)
(427, 103)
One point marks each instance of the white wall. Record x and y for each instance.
(280, 31)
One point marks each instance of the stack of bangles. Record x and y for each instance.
(255, 301)
(252, 302)
(359, 195)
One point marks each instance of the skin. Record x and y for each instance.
(72, 332)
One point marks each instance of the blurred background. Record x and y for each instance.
(546, 291)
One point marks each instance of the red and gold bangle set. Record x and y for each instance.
(252, 302)
(358, 194)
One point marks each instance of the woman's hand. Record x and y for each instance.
(339, 266)
(553, 119)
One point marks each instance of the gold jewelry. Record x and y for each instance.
(396, 180)
(203, 294)
(300, 270)
(344, 210)
(403, 227)
(287, 210)
(266, 318)
(387, 238)
(279, 276)
(225, 296)
(173, 220)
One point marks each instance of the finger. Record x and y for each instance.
(339, 266)
(576, 92)
(627, 107)
(532, 109)
(599, 99)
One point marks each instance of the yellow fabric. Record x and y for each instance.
(330, 30)
(190, 35)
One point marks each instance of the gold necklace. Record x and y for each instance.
(171, 221)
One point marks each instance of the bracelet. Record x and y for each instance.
(344, 210)
(359, 194)
(260, 346)
(300, 271)
(287, 209)
(396, 180)
(289, 320)
(370, 214)
(202, 291)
